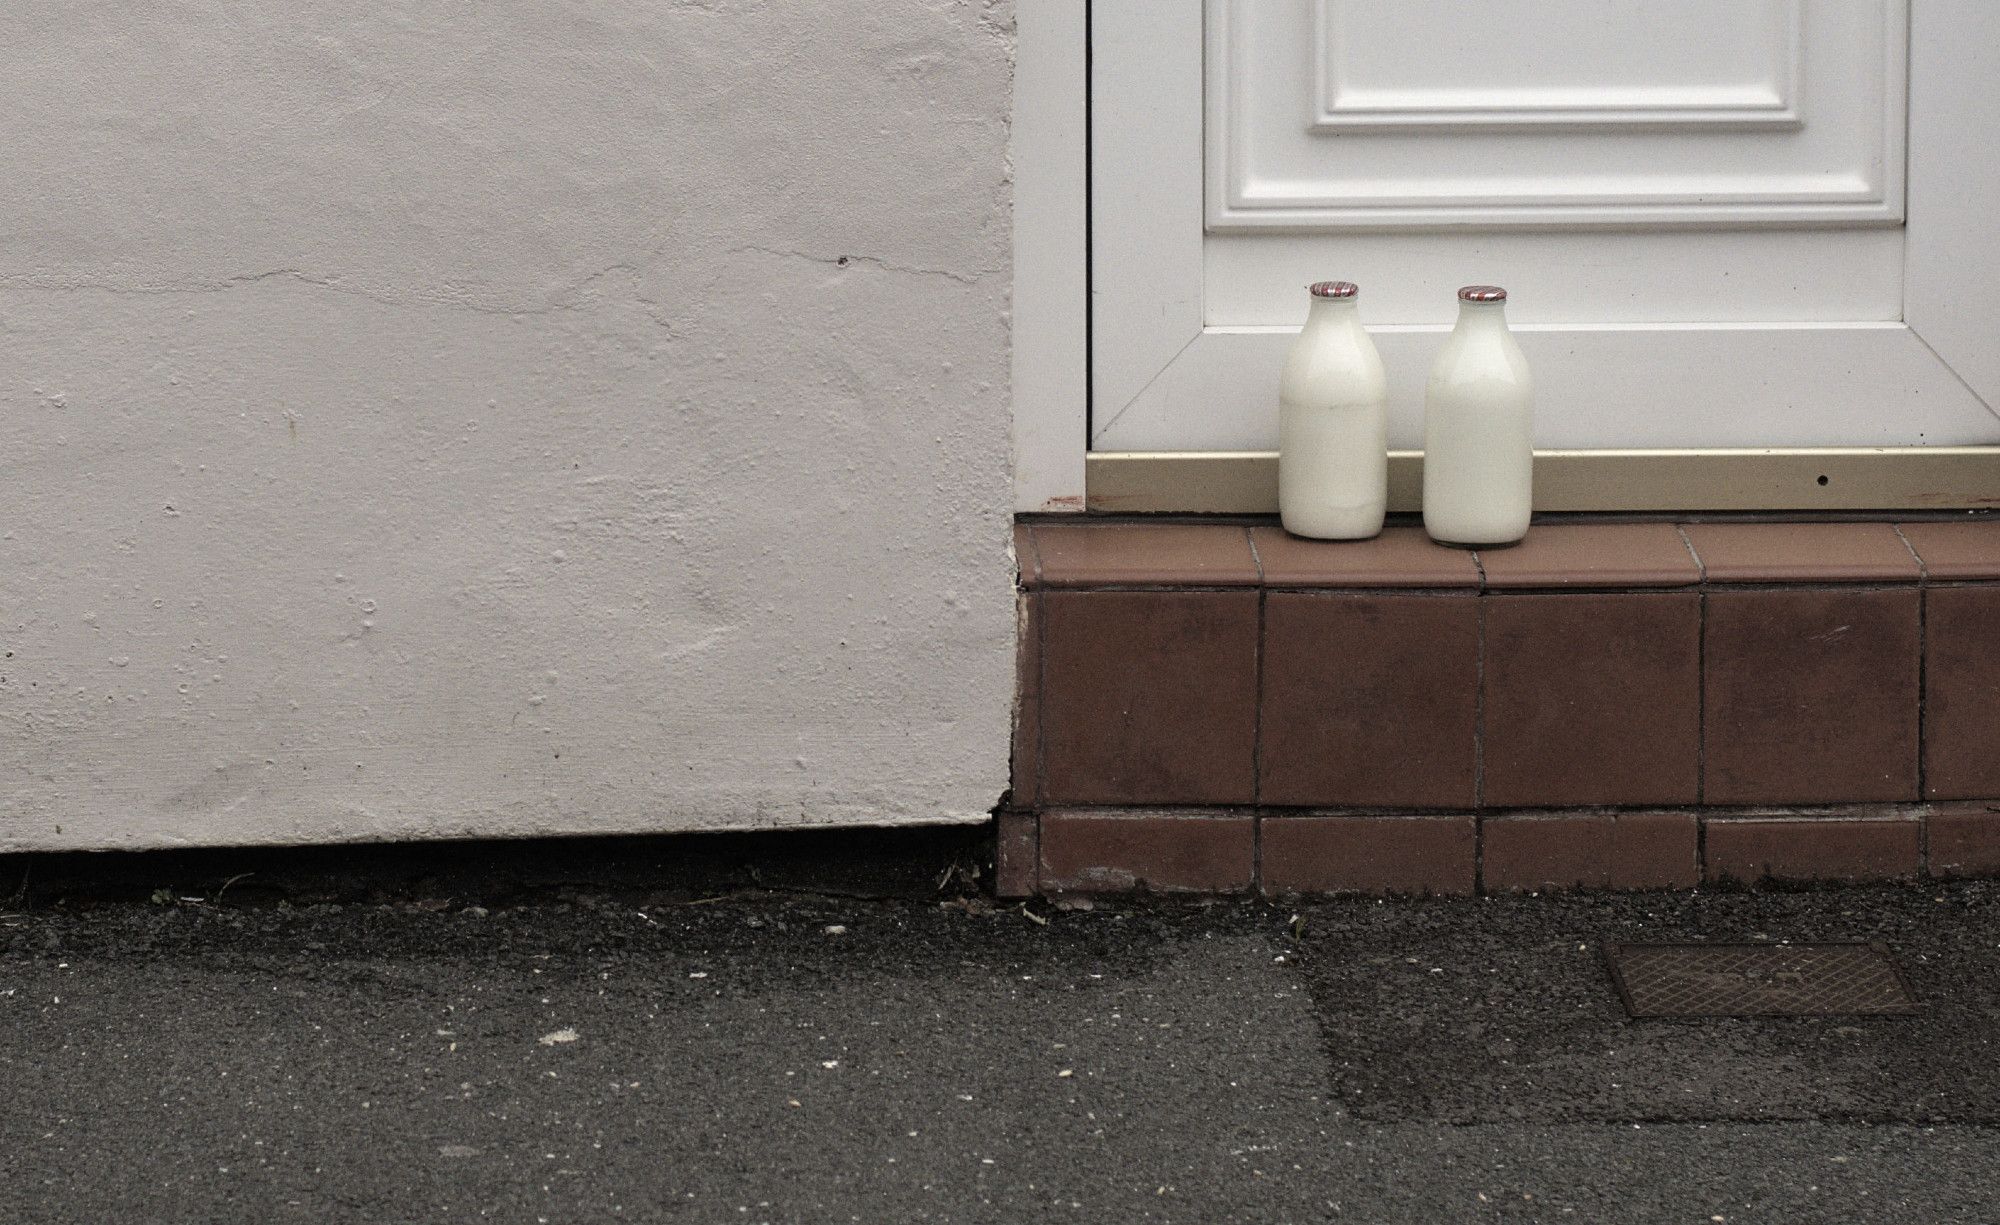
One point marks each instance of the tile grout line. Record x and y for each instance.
(1040, 612)
(1479, 854)
(1479, 731)
(1700, 694)
(1479, 711)
(1923, 677)
(1701, 702)
(1924, 844)
(1923, 685)
(1257, 727)
(1256, 853)
(1257, 712)
(1033, 751)
(1479, 706)
(1700, 566)
(1923, 570)
(1700, 849)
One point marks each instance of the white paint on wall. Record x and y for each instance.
(435, 420)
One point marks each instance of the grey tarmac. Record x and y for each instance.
(784, 1055)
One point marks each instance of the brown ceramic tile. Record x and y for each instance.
(1027, 562)
(1594, 555)
(1752, 850)
(1964, 839)
(1369, 854)
(1145, 555)
(1962, 693)
(1027, 701)
(1096, 852)
(1592, 699)
(1811, 696)
(1802, 553)
(1399, 557)
(1016, 857)
(1629, 850)
(1369, 700)
(1149, 697)
(1969, 549)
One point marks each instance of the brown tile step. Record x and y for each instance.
(1579, 702)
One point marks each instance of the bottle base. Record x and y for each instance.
(1478, 544)
(1355, 535)
(1345, 523)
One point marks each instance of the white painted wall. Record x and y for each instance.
(430, 419)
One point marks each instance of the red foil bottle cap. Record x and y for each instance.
(1333, 289)
(1482, 293)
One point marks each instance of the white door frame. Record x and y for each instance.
(1051, 335)
(1951, 268)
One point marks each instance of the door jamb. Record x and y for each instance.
(1049, 150)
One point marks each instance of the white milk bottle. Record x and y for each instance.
(1479, 447)
(1333, 423)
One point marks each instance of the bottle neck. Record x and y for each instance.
(1482, 317)
(1336, 312)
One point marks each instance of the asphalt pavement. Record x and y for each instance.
(768, 1052)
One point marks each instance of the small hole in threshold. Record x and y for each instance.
(1822, 480)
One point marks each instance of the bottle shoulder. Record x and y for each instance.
(1340, 367)
(1491, 363)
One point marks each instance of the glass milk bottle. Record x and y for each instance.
(1333, 423)
(1479, 456)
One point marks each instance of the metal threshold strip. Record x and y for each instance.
(1801, 479)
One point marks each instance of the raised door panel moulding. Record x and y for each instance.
(1819, 385)
(1565, 64)
(1596, 276)
(1802, 125)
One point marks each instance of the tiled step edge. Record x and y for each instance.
(1109, 554)
(1224, 851)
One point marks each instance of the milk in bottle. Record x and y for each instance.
(1478, 429)
(1333, 423)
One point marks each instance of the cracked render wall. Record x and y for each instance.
(435, 420)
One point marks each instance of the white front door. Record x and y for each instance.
(1722, 223)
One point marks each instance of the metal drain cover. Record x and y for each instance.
(1759, 980)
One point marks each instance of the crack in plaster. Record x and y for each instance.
(873, 261)
(568, 298)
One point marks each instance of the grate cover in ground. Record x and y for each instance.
(1759, 980)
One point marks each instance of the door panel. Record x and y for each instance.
(1419, 64)
(1350, 113)
(1697, 208)
(1589, 276)
(1612, 387)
